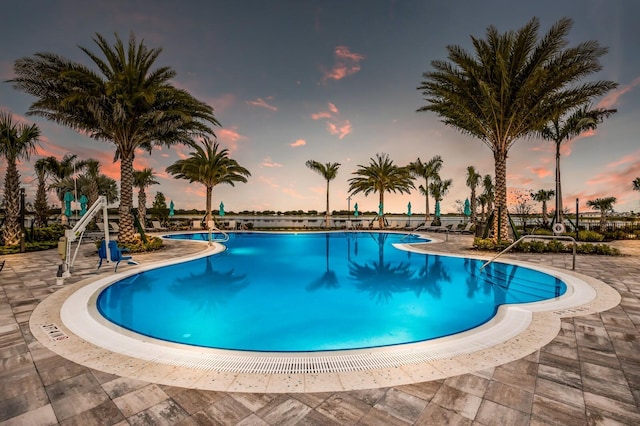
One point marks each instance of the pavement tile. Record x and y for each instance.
(560, 392)
(104, 414)
(42, 416)
(78, 384)
(78, 403)
(461, 402)
(623, 412)
(509, 396)
(491, 413)
(343, 408)
(193, 400)
(548, 411)
(401, 405)
(227, 411)
(140, 399)
(165, 413)
(434, 414)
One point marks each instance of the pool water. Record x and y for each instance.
(317, 291)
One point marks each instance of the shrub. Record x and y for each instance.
(152, 244)
(542, 231)
(555, 246)
(589, 236)
(50, 233)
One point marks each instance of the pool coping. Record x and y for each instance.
(74, 332)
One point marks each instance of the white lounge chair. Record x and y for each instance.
(196, 225)
(156, 226)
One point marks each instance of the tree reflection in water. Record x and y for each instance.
(328, 279)
(382, 279)
(210, 288)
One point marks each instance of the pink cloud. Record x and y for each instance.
(292, 193)
(267, 162)
(298, 142)
(259, 102)
(341, 129)
(541, 172)
(230, 137)
(566, 147)
(333, 108)
(345, 63)
(625, 160)
(319, 115)
(612, 99)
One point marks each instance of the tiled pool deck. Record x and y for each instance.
(588, 374)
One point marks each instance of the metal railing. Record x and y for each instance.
(534, 237)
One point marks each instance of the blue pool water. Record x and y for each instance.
(317, 291)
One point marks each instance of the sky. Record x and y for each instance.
(332, 81)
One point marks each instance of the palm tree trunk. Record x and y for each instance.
(544, 214)
(11, 231)
(40, 204)
(427, 215)
(502, 218)
(142, 206)
(127, 231)
(559, 218)
(473, 205)
(208, 207)
(381, 218)
(327, 220)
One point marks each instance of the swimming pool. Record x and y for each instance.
(308, 292)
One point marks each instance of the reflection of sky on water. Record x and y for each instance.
(316, 291)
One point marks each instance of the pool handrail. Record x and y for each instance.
(211, 225)
(533, 237)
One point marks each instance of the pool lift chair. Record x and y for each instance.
(76, 234)
(115, 254)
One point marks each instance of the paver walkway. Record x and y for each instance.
(589, 374)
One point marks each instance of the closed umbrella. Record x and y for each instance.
(68, 198)
(356, 213)
(221, 209)
(438, 209)
(171, 207)
(83, 204)
(467, 208)
(380, 210)
(409, 209)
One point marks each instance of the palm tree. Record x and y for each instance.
(428, 170)
(17, 141)
(605, 205)
(143, 179)
(126, 103)
(510, 88)
(473, 180)
(380, 176)
(439, 188)
(40, 204)
(636, 184)
(329, 172)
(542, 196)
(210, 167)
(483, 199)
(560, 131)
(59, 171)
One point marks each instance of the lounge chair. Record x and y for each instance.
(115, 226)
(465, 230)
(2, 265)
(115, 253)
(156, 226)
(100, 226)
(232, 225)
(196, 225)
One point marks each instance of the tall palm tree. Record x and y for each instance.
(483, 199)
(473, 180)
(59, 171)
(329, 172)
(510, 88)
(542, 196)
(605, 205)
(381, 176)
(125, 102)
(439, 188)
(211, 167)
(565, 127)
(40, 204)
(489, 191)
(17, 141)
(428, 170)
(143, 179)
(636, 184)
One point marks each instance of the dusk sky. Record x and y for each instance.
(332, 81)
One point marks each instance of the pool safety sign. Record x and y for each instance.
(54, 332)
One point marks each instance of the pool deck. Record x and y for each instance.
(588, 374)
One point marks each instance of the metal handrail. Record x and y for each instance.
(533, 237)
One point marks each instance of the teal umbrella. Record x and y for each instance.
(467, 208)
(380, 210)
(437, 208)
(83, 204)
(221, 209)
(171, 207)
(356, 213)
(409, 209)
(68, 198)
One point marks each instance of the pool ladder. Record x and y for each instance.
(535, 237)
(212, 226)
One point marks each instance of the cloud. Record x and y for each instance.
(345, 63)
(267, 162)
(566, 147)
(625, 160)
(230, 137)
(541, 172)
(259, 102)
(612, 99)
(298, 142)
(335, 124)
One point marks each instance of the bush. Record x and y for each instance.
(589, 236)
(553, 246)
(152, 244)
(542, 231)
(50, 233)
(29, 247)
